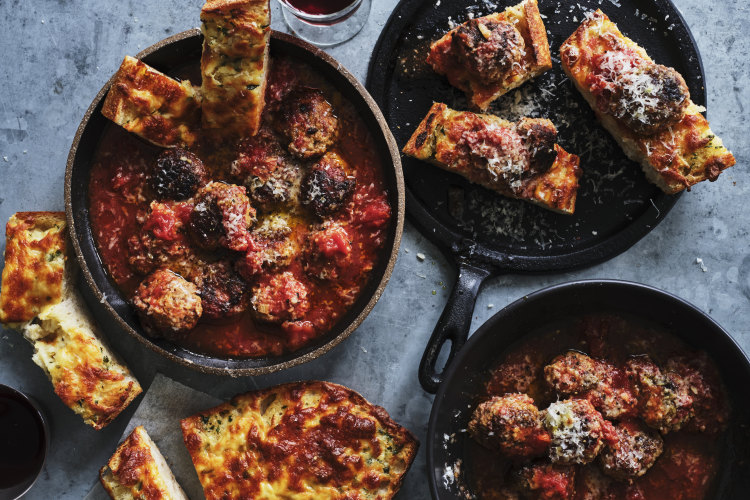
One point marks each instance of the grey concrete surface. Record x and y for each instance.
(56, 55)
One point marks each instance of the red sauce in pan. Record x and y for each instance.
(119, 191)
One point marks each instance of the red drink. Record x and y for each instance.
(320, 7)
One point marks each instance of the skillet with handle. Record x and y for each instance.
(482, 233)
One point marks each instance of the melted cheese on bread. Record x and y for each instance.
(536, 60)
(86, 374)
(152, 105)
(233, 64)
(674, 158)
(138, 470)
(34, 265)
(434, 142)
(305, 440)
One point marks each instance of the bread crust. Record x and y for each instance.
(537, 59)
(152, 105)
(554, 189)
(674, 158)
(251, 428)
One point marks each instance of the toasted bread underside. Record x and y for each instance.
(139, 470)
(526, 18)
(277, 443)
(152, 105)
(554, 189)
(234, 64)
(674, 159)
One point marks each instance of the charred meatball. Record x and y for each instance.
(327, 187)
(178, 175)
(578, 431)
(307, 121)
(167, 303)
(633, 452)
(664, 399)
(271, 247)
(544, 481)
(511, 424)
(539, 136)
(327, 251)
(649, 98)
(488, 49)
(221, 217)
(223, 291)
(280, 297)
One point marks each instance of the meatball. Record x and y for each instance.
(649, 98)
(178, 175)
(488, 49)
(307, 121)
(592, 484)
(280, 297)
(511, 424)
(664, 399)
(577, 430)
(258, 156)
(221, 217)
(223, 291)
(327, 251)
(633, 452)
(710, 403)
(544, 481)
(271, 247)
(167, 303)
(539, 136)
(572, 373)
(517, 373)
(327, 187)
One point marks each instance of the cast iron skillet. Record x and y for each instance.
(173, 55)
(483, 233)
(464, 379)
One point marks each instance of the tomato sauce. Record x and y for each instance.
(119, 192)
(688, 465)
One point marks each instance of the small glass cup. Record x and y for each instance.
(321, 27)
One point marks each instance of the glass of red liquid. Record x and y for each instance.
(325, 22)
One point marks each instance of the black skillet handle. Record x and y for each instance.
(453, 325)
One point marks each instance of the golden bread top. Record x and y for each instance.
(305, 440)
(34, 265)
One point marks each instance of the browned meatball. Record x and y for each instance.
(710, 402)
(258, 156)
(280, 297)
(572, 373)
(578, 431)
(664, 400)
(221, 217)
(307, 121)
(178, 174)
(272, 247)
(223, 291)
(633, 452)
(327, 251)
(545, 481)
(539, 136)
(167, 303)
(649, 98)
(488, 49)
(511, 424)
(327, 186)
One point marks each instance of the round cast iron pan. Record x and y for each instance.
(482, 232)
(465, 378)
(175, 55)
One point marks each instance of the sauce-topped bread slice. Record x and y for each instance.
(152, 105)
(138, 470)
(303, 440)
(233, 65)
(38, 297)
(491, 55)
(644, 105)
(520, 160)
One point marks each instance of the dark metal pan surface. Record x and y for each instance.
(465, 378)
(174, 56)
(484, 233)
